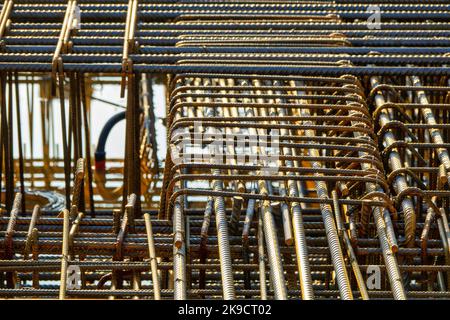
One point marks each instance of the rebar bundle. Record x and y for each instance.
(307, 149)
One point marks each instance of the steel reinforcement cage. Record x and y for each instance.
(307, 150)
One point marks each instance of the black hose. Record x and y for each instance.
(100, 153)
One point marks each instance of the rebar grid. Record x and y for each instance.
(305, 150)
